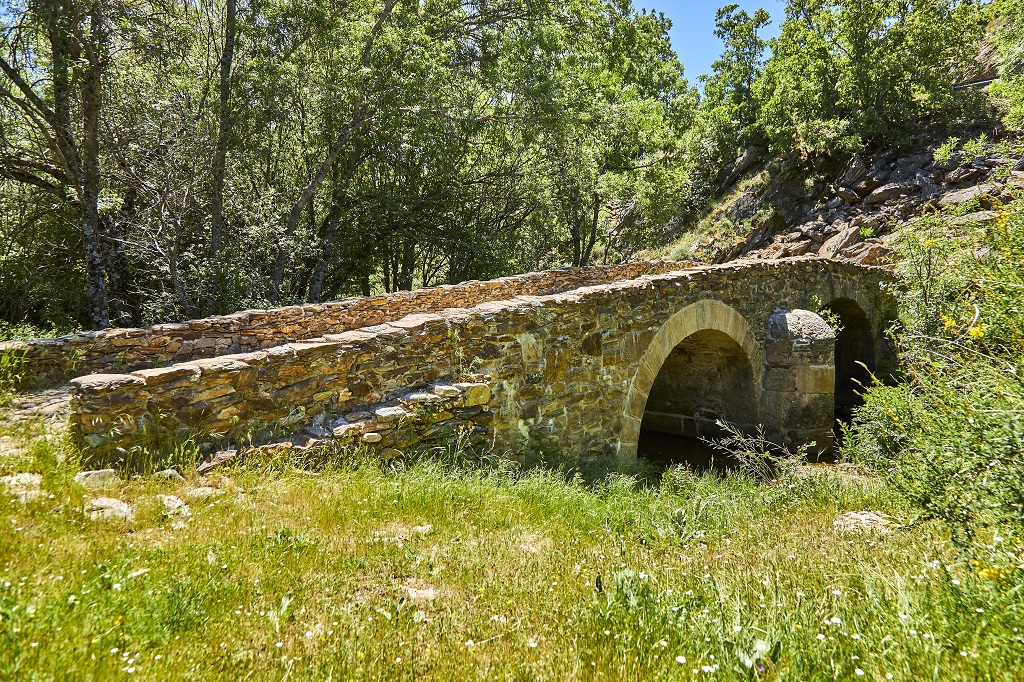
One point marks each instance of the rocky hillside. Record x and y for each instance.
(770, 213)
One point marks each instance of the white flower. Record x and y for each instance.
(470, 642)
(858, 672)
(821, 637)
(680, 659)
(737, 628)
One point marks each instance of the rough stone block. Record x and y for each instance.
(474, 394)
(815, 379)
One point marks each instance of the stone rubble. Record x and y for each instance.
(25, 486)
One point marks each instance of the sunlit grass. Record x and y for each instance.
(448, 570)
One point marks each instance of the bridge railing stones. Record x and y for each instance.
(560, 366)
(117, 350)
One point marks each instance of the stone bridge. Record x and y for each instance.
(580, 368)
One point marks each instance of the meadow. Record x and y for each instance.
(453, 567)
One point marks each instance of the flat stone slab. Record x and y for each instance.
(962, 195)
(100, 479)
(108, 509)
(203, 493)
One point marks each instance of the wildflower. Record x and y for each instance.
(821, 637)
(680, 660)
(977, 331)
(737, 628)
(947, 322)
(990, 573)
(858, 672)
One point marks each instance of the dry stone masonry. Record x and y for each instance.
(49, 360)
(571, 372)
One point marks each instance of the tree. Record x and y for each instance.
(68, 42)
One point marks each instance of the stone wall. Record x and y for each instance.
(567, 372)
(120, 350)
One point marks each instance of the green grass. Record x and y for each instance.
(306, 575)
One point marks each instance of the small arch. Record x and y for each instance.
(710, 323)
(855, 356)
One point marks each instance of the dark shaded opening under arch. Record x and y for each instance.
(705, 378)
(855, 358)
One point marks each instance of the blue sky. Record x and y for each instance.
(693, 25)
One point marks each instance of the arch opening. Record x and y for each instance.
(705, 378)
(855, 360)
(727, 335)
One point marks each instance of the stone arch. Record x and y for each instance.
(706, 315)
(856, 356)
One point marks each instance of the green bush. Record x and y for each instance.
(952, 437)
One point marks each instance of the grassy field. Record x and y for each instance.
(438, 569)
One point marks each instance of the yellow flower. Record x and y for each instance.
(930, 243)
(947, 321)
(990, 573)
(977, 331)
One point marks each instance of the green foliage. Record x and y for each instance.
(396, 145)
(975, 147)
(846, 73)
(952, 437)
(12, 373)
(1008, 36)
(944, 152)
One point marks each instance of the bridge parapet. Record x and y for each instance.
(570, 371)
(126, 350)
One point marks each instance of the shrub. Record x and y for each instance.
(952, 437)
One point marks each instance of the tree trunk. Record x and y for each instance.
(89, 180)
(220, 161)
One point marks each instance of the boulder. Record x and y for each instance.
(963, 174)
(219, 459)
(108, 509)
(169, 475)
(855, 172)
(1020, 166)
(203, 493)
(848, 195)
(887, 192)
(961, 195)
(744, 208)
(26, 487)
(101, 479)
(843, 240)
(871, 252)
(174, 506)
